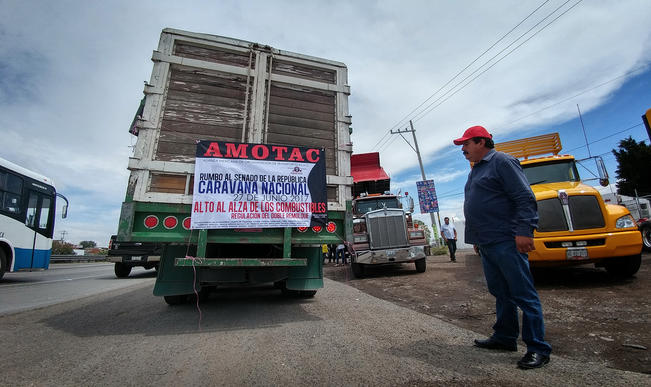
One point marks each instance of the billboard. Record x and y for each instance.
(243, 185)
(427, 196)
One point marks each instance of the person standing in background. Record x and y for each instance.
(449, 235)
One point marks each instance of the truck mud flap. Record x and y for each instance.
(308, 277)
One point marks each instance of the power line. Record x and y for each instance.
(406, 118)
(603, 138)
(430, 107)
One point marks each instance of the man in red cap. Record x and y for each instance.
(501, 215)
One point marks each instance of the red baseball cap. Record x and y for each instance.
(474, 131)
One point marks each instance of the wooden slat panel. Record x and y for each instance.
(201, 131)
(302, 94)
(311, 106)
(304, 132)
(300, 122)
(304, 71)
(167, 183)
(208, 78)
(302, 113)
(216, 55)
(207, 89)
(332, 193)
(205, 99)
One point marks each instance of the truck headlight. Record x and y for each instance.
(625, 221)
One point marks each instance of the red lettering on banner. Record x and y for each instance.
(296, 155)
(213, 150)
(255, 151)
(239, 151)
(278, 150)
(312, 159)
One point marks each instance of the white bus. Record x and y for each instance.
(27, 209)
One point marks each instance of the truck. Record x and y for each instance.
(575, 225)
(383, 230)
(249, 101)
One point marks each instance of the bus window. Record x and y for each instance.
(11, 187)
(44, 216)
(31, 210)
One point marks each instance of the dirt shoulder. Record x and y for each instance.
(589, 315)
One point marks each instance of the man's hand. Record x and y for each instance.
(524, 244)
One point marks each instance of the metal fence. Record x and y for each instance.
(77, 258)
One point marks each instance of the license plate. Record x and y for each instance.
(391, 253)
(136, 258)
(576, 253)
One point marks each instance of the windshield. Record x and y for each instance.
(364, 206)
(554, 172)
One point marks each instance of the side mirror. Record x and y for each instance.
(64, 209)
(603, 173)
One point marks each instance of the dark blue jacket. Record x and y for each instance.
(498, 203)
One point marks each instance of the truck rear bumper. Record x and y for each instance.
(400, 255)
(133, 259)
(598, 246)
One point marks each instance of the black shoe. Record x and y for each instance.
(533, 360)
(491, 343)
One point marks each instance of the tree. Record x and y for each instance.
(62, 248)
(634, 161)
(422, 226)
(87, 244)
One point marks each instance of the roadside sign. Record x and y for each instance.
(427, 197)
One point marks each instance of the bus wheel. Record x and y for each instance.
(3, 263)
(122, 270)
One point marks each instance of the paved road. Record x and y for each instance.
(257, 337)
(62, 282)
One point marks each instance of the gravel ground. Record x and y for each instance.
(589, 315)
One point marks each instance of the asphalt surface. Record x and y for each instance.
(257, 337)
(62, 282)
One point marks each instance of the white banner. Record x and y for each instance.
(238, 185)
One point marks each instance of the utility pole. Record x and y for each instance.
(63, 235)
(420, 162)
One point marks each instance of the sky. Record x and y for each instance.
(72, 76)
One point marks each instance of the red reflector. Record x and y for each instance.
(331, 227)
(151, 221)
(186, 223)
(301, 229)
(170, 222)
(316, 229)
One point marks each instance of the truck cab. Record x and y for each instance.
(575, 225)
(383, 231)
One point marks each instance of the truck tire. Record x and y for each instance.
(3, 263)
(122, 270)
(176, 299)
(646, 236)
(307, 293)
(624, 266)
(358, 270)
(421, 265)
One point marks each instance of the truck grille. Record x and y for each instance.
(386, 229)
(584, 210)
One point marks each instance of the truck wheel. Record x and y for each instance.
(624, 266)
(421, 265)
(307, 293)
(122, 270)
(176, 299)
(3, 263)
(358, 270)
(646, 236)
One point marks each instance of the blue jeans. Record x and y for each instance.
(510, 282)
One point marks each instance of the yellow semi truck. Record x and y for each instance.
(576, 226)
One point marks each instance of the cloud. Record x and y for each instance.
(71, 77)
